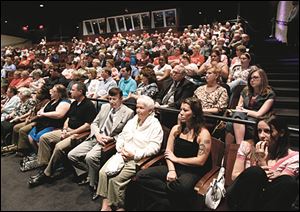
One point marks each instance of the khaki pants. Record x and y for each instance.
(51, 142)
(20, 135)
(113, 188)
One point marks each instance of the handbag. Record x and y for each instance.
(115, 165)
(216, 190)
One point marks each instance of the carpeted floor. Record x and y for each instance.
(61, 195)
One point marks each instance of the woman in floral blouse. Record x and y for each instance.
(214, 98)
(13, 118)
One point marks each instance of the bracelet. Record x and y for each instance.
(172, 170)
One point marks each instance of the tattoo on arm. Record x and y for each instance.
(202, 149)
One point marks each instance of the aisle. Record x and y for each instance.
(61, 195)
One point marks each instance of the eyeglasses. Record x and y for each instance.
(254, 77)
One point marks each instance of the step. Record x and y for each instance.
(280, 69)
(286, 102)
(287, 112)
(284, 83)
(286, 92)
(283, 76)
(290, 120)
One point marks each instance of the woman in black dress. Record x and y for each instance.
(171, 186)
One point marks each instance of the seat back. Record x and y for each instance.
(229, 160)
(217, 152)
(235, 96)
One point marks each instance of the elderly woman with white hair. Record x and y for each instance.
(141, 137)
(37, 82)
(13, 118)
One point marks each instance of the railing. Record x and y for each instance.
(173, 110)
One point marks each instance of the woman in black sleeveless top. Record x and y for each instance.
(52, 116)
(171, 186)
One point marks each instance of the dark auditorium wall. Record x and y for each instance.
(61, 17)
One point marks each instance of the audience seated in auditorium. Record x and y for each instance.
(86, 156)
(141, 137)
(16, 79)
(256, 100)
(265, 171)
(105, 84)
(215, 59)
(21, 130)
(127, 84)
(56, 77)
(171, 186)
(11, 102)
(50, 117)
(213, 97)
(196, 57)
(25, 104)
(25, 80)
(175, 90)
(239, 50)
(114, 71)
(37, 81)
(162, 70)
(63, 140)
(148, 86)
(239, 73)
(91, 83)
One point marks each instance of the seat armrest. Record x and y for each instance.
(153, 161)
(109, 146)
(81, 136)
(203, 184)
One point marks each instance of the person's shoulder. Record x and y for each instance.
(126, 109)
(68, 101)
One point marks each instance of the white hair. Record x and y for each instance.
(25, 91)
(146, 101)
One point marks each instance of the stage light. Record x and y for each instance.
(25, 28)
(41, 26)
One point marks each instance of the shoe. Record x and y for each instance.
(37, 174)
(84, 181)
(41, 179)
(9, 149)
(95, 195)
(19, 154)
(27, 158)
(29, 165)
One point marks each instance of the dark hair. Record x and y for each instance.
(186, 56)
(128, 67)
(217, 52)
(279, 148)
(14, 90)
(197, 119)
(264, 88)
(149, 74)
(81, 87)
(115, 92)
(61, 89)
(107, 70)
(43, 93)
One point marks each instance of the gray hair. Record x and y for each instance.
(25, 91)
(146, 101)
